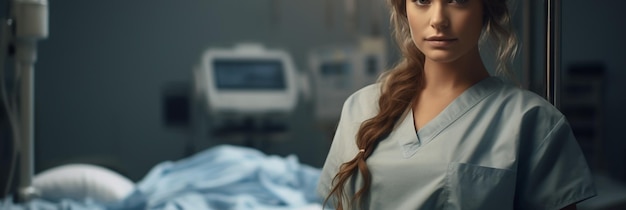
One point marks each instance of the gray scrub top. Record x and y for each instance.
(494, 147)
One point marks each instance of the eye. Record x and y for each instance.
(458, 1)
(422, 2)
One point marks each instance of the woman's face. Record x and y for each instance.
(445, 30)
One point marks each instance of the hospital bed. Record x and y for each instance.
(222, 177)
(234, 85)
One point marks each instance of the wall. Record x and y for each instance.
(102, 72)
(594, 32)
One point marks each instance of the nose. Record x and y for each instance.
(439, 18)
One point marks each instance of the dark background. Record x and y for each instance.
(110, 71)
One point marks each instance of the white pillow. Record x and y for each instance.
(83, 181)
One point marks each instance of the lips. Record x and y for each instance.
(440, 38)
(440, 41)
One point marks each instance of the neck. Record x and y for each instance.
(455, 76)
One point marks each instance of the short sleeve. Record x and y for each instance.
(556, 173)
(358, 107)
(342, 149)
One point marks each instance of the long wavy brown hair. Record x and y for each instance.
(400, 86)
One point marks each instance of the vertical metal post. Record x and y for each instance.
(553, 52)
(25, 66)
(31, 19)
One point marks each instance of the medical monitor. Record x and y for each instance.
(249, 75)
(248, 80)
(340, 70)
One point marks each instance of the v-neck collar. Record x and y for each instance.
(410, 140)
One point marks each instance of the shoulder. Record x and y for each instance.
(531, 115)
(362, 104)
(526, 104)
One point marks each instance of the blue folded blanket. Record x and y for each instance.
(223, 177)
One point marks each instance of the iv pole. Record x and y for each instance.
(29, 19)
(553, 52)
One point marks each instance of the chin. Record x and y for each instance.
(442, 58)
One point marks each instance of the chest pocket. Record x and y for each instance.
(478, 187)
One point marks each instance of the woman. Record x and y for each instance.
(438, 132)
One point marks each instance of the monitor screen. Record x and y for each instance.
(335, 69)
(237, 74)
